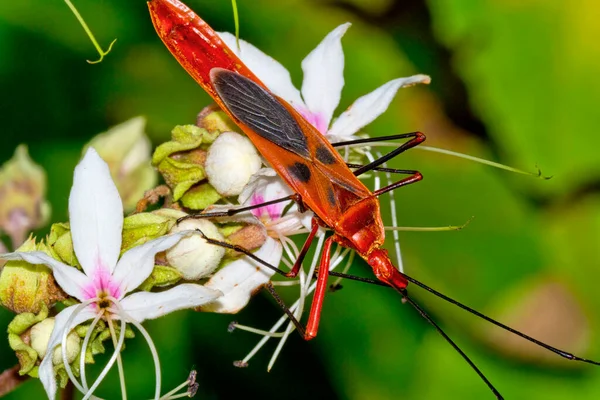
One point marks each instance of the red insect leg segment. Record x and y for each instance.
(317, 305)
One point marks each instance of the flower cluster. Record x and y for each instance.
(192, 251)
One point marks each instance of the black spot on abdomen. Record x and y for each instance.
(324, 155)
(300, 172)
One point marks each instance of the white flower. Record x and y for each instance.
(264, 186)
(96, 219)
(322, 86)
(240, 279)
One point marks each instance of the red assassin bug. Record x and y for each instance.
(303, 158)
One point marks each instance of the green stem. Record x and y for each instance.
(429, 229)
(236, 21)
(537, 174)
(90, 34)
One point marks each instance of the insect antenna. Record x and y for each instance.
(301, 329)
(450, 300)
(410, 301)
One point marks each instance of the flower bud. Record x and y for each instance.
(126, 149)
(212, 118)
(23, 206)
(25, 287)
(231, 161)
(40, 336)
(181, 160)
(193, 256)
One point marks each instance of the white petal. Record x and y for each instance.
(137, 263)
(368, 107)
(265, 186)
(96, 214)
(324, 76)
(144, 305)
(70, 279)
(240, 279)
(267, 183)
(46, 371)
(266, 68)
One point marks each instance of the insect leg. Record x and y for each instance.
(298, 263)
(286, 310)
(317, 304)
(451, 342)
(416, 138)
(315, 311)
(415, 176)
(234, 211)
(242, 250)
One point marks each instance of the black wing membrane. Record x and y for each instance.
(259, 110)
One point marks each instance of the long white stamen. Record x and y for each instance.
(115, 354)
(153, 350)
(119, 361)
(86, 340)
(66, 331)
(335, 260)
(172, 392)
(376, 180)
(290, 250)
(289, 282)
(110, 362)
(258, 331)
(394, 215)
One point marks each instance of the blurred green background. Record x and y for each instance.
(513, 81)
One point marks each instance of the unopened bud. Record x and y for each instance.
(23, 206)
(193, 256)
(231, 161)
(25, 287)
(181, 160)
(40, 336)
(212, 118)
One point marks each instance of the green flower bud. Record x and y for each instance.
(25, 287)
(126, 149)
(60, 242)
(212, 118)
(23, 206)
(40, 335)
(143, 227)
(19, 339)
(181, 160)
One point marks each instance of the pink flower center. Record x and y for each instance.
(272, 211)
(101, 286)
